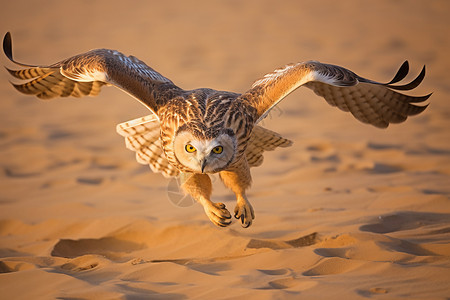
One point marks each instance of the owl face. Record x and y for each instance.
(200, 154)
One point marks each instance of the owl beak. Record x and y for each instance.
(203, 164)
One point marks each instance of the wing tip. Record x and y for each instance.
(419, 99)
(7, 49)
(401, 73)
(409, 86)
(419, 109)
(7, 46)
(287, 143)
(18, 87)
(10, 71)
(426, 97)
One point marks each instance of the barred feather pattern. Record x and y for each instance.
(84, 75)
(261, 140)
(48, 83)
(142, 136)
(369, 101)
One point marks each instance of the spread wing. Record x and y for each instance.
(369, 101)
(85, 74)
(142, 136)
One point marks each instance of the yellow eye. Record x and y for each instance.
(217, 150)
(190, 149)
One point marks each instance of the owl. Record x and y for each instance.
(195, 133)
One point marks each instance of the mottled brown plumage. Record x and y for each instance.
(192, 133)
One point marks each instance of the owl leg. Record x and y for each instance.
(200, 188)
(238, 181)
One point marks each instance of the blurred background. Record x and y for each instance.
(66, 177)
(225, 45)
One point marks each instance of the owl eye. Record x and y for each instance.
(190, 149)
(217, 150)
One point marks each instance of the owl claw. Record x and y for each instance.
(218, 214)
(244, 212)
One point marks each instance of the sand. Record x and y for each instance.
(348, 212)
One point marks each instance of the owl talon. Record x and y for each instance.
(244, 212)
(218, 214)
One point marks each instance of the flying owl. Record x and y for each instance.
(193, 133)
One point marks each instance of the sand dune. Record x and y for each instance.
(348, 212)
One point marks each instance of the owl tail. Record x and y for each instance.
(261, 140)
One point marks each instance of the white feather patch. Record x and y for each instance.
(87, 76)
(273, 76)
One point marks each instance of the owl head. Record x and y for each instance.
(204, 150)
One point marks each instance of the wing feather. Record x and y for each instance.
(30, 73)
(142, 136)
(261, 140)
(369, 101)
(54, 84)
(85, 74)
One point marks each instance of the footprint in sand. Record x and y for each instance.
(405, 221)
(286, 283)
(289, 281)
(8, 266)
(303, 241)
(283, 283)
(10, 172)
(275, 272)
(381, 168)
(332, 266)
(90, 180)
(84, 263)
(372, 292)
(344, 252)
(109, 247)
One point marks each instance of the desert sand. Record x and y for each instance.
(348, 212)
